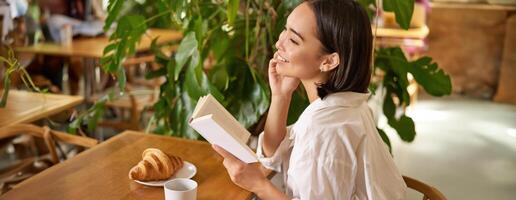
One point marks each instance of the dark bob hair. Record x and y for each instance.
(344, 27)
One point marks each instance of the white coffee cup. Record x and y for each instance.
(180, 189)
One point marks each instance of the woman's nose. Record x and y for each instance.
(279, 43)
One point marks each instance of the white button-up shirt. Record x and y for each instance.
(334, 151)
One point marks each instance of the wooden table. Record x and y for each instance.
(94, 47)
(413, 37)
(91, 50)
(23, 107)
(102, 172)
(413, 33)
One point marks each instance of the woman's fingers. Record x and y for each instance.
(230, 162)
(221, 151)
(272, 66)
(225, 154)
(273, 75)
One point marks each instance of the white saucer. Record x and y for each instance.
(188, 171)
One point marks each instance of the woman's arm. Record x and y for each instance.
(276, 124)
(282, 88)
(251, 177)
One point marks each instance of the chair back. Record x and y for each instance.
(429, 192)
(27, 167)
(48, 135)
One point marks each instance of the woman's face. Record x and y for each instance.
(299, 50)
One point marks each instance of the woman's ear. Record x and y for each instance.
(330, 62)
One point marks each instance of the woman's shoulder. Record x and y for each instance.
(342, 129)
(335, 122)
(337, 118)
(329, 134)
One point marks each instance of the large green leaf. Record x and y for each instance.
(393, 61)
(187, 47)
(171, 68)
(403, 10)
(389, 108)
(201, 27)
(138, 28)
(431, 77)
(220, 77)
(123, 43)
(220, 45)
(232, 10)
(297, 106)
(404, 125)
(260, 93)
(427, 73)
(246, 98)
(113, 9)
(207, 85)
(406, 128)
(121, 78)
(385, 138)
(186, 110)
(191, 84)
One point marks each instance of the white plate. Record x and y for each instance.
(188, 171)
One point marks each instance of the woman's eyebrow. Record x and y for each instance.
(295, 32)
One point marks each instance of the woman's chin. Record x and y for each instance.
(281, 71)
(282, 68)
(286, 74)
(286, 71)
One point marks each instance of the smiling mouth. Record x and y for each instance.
(281, 58)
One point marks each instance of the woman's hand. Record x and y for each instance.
(247, 176)
(280, 85)
(250, 176)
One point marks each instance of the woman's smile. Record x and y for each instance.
(281, 58)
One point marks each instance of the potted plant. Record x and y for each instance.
(225, 51)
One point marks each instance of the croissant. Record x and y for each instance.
(155, 165)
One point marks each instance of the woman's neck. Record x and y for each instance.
(311, 85)
(311, 89)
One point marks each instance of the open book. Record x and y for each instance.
(219, 127)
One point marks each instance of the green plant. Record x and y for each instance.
(13, 67)
(237, 44)
(237, 37)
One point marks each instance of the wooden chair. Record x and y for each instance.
(140, 94)
(48, 135)
(429, 192)
(134, 102)
(27, 167)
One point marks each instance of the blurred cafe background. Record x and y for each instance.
(79, 77)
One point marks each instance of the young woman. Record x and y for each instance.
(333, 151)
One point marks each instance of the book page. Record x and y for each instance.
(209, 105)
(213, 132)
(199, 107)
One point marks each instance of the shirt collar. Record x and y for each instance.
(339, 99)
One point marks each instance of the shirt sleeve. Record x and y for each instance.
(281, 155)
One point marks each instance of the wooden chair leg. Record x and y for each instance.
(47, 136)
